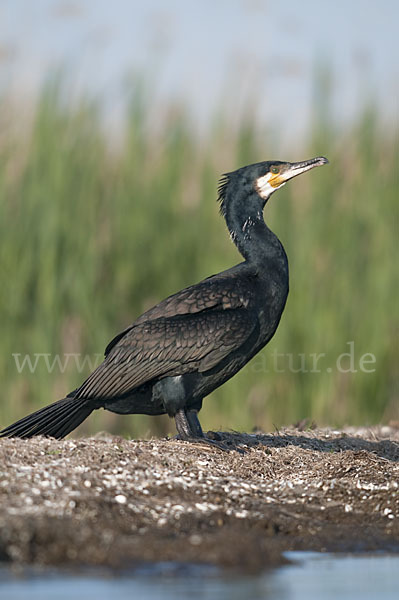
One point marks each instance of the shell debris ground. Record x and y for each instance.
(115, 502)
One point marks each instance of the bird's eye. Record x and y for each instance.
(275, 170)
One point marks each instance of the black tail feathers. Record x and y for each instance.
(55, 420)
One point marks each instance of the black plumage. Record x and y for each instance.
(179, 351)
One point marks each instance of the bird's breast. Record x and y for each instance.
(271, 300)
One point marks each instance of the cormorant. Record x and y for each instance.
(183, 348)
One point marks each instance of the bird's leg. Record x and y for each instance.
(190, 430)
(187, 424)
(195, 425)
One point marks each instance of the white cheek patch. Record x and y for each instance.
(263, 186)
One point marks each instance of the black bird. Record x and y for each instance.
(178, 352)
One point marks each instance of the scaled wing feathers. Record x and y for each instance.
(168, 346)
(219, 292)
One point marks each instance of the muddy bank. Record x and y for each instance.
(115, 502)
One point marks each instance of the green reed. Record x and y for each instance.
(91, 236)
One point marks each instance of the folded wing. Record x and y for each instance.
(168, 346)
(221, 292)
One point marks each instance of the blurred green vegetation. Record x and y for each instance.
(92, 235)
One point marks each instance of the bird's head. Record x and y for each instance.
(272, 175)
(263, 178)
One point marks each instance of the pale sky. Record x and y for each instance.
(210, 53)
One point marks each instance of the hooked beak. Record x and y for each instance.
(290, 170)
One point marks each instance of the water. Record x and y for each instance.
(313, 576)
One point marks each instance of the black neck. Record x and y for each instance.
(255, 241)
